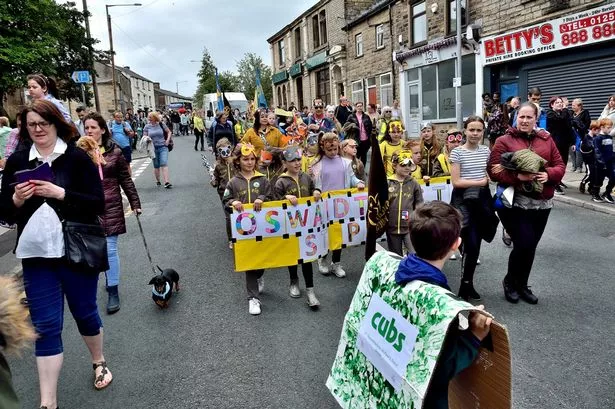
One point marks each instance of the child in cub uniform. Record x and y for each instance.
(442, 166)
(332, 172)
(391, 143)
(404, 195)
(291, 185)
(349, 151)
(223, 172)
(310, 155)
(248, 186)
(270, 164)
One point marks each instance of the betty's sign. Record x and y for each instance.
(584, 28)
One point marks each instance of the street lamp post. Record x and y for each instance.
(113, 81)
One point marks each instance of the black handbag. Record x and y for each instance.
(85, 246)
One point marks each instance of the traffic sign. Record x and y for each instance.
(81, 77)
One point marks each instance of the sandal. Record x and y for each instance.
(103, 375)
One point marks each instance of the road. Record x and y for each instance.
(207, 351)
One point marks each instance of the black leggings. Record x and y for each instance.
(525, 228)
(308, 274)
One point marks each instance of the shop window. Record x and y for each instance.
(380, 36)
(452, 15)
(323, 89)
(419, 23)
(357, 91)
(281, 52)
(298, 43)
(358, 40)
(386, 90)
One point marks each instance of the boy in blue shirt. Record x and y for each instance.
(435, 234)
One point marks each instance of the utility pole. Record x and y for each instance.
(458, 73)
(86, 17)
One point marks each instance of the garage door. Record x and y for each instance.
(592, 81)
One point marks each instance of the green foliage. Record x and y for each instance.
(246, 69)
(42, 36)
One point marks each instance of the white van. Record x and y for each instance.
(236, 99)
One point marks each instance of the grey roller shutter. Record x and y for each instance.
(593, 81)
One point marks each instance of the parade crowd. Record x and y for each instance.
(284, 154)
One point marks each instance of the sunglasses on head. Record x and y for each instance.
(455, 137)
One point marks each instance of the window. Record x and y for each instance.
(319, 29)
(298, 43)
(281, 52)
(452, 15)
(380, 36)
(357, 91)
(386, 90)
(419, 23)
(438, 93)
(323, 90)
(358, 39)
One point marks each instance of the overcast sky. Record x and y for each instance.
(158, 39)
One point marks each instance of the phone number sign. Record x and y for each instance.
(584, 28)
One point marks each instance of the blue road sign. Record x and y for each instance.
(81, 77)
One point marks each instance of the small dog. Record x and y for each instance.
(162, 286)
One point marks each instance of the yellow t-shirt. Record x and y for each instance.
(387, 150)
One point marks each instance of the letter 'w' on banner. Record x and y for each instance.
(378, 200)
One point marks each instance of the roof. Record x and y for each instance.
(131, 73)
(292, 23)
(374, 9)
(172, 94)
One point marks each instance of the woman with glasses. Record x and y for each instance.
(75, 195)
(472, 197)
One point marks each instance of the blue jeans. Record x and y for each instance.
(162, 157)
(46, 282)
(113, 274)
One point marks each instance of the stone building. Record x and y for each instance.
(105, 89)
(308, 55)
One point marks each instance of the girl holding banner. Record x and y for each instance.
(291, 185)
(332, 172)
(248, 186)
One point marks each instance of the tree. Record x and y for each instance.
(40, 36)
(246, 69)
(207, 79)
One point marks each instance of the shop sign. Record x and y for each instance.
(583, 28)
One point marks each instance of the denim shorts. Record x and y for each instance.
(162, 157)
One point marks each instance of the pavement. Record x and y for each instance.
(206, 351)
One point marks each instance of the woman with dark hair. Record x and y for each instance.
(221, 128)
(75, 195)
(472, 197)
(526, 218)
(42, 87)
(115, 176)
(263, 135)
(559, 125)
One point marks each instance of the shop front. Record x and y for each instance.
(571, 56)
(427, 92)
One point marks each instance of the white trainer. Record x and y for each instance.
(338, 270)
(323, 266)
(311, 298)
(294, 291)
(254, 306)
(261, 285)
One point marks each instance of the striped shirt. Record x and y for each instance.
(473, 163)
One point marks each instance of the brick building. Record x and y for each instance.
(308, 55)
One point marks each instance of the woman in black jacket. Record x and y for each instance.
(37, 206)
(365, 125)
(559, 125)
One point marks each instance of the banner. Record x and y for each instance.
(391, 340)
(283, 235)
(580, 29)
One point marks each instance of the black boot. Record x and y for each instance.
(510, 292)
(113, 305)
(467, 291)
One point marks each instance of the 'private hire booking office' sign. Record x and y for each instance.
(281, 234)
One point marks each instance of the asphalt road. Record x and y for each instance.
(207, 351)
